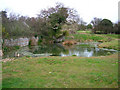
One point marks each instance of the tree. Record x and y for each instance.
(89, 26)
(95, 22)
(106, 26)
(5, 33)
(56, 21)
(102, 26)
(14, 26)
(82, 24)
(116, 28)
(73, 16)
(52, 21)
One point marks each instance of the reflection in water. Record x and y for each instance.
(80, 53)
(81, 50)
(88, 53)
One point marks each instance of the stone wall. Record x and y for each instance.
(17, 42)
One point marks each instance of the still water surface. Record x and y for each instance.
(81, 50)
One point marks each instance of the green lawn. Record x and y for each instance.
(61, 72)
(81, 31)
(89, 37)
(86, 36)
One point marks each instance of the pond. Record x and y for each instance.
(81, 50)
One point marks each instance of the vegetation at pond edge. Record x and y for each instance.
(110, 45)
(61, 72)
(8, 49)
(109, 41)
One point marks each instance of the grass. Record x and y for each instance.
(110, 45)
(81, 31)
(87, 37)
(109, 41)
(86, 45)
(112, 35)
(61, 72)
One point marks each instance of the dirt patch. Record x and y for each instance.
(69, 42)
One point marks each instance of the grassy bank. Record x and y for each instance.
(108, 40)
(83, 37)
(110, 45)
(61, 72)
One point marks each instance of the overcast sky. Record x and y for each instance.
(87, 9)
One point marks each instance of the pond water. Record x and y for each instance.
(81, 50)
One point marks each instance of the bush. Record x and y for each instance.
(8, 49)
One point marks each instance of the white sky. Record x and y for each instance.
(87, 9)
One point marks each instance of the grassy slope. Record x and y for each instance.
(61, 72)
(108, 40)
(111, 45)
(86, 35)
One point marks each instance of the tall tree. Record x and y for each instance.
(52, 20)
(106, 26)
(95, 22)
(89, 26)
(56, 21)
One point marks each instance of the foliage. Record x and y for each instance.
(56, 21)
(5, 34)
(82, 25)
(8, 49)
(106, 26)
(50, 24)
(95, 22)
(14, 26)
(66, 33)
(116, 28)
(89, 26)
(71, 28)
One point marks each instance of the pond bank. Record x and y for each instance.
(80, 49)
(110, 45)
(105, 41)
(109, 41)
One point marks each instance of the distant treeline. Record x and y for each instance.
(105, 26)
(51, 23)
(48, 23)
